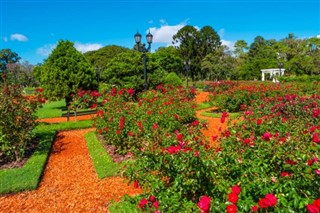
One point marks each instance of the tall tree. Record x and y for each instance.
(187, 41)
(65, 71)
(209, 41)
(240, 47)
(7, 57)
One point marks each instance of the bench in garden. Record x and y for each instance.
(72, 114)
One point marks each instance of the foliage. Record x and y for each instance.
(101, 57)
(235, 97)
(194, 45)
(302, 78)
(219, 65)
(274, 150)
(65, 71)
(21, 73)
(17, 121)
(126, 71)
(7, 57)
(121, 123)
(173, 79)
(83, 99)
(29, 176)
(170, 60)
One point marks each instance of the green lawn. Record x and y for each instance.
(218, 115)
(51, 109)
(28, 177)
(204, 105)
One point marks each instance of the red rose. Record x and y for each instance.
(254, 208)
(233, 198)
(156, 204)
(204, 203)
(136, 184)
(236, 189)
(272, 199)
(231, 208)
(143, 202)
(264, 203)
(317, 203)
(312, 209)
(266, 136)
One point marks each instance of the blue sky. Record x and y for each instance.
(32, 28)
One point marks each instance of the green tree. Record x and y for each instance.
(101, 57)
(261, 55)
(219, 65)
(65, 71)
(169, 59)
(209, 41)
(7, 57)
(126, 70)
(187, 40)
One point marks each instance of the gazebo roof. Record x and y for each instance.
(272, 70)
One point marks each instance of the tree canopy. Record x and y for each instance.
(65, 71)
(7, 57)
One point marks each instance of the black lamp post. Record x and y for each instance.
(144, 50)
(280, 67)
(187, 64)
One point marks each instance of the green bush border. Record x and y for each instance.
(29, 176)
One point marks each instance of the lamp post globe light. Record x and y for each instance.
(187, 64)
(142, 48)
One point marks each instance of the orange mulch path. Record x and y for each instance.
(70, 183)
(202, 97)
(214, 124)
(64, 119)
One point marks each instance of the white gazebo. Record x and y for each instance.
(273, 72)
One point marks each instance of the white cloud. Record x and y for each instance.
(165, 32)
(318, 36)
(221, 32)
(18, 37)
(229, 44)
(87, 47)
(46, 49)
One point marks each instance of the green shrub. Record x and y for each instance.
(173, 79)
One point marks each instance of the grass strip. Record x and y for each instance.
(204, 105)
(218, 115)
(123, 206)
(102, 162)
(29, 176)
(51, 109)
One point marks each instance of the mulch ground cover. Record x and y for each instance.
(70, 183)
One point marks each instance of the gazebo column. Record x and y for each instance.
(262, 79)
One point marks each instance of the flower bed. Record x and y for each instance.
(267, 162)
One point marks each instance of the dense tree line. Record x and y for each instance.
(202, 48)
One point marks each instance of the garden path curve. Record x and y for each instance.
(70, 183)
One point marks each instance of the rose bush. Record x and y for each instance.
(17, 121)
(273, 153)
